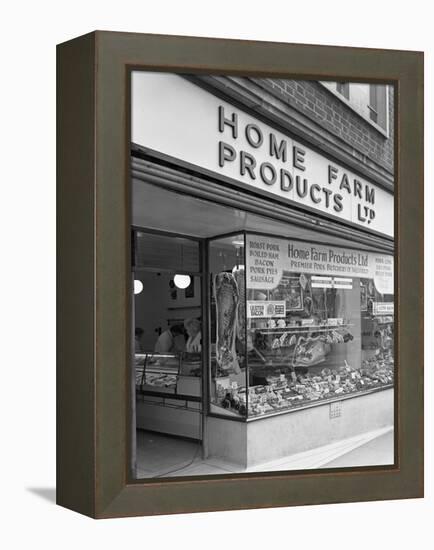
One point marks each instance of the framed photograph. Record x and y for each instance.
(290, 290)
(260, 190)
(189, 291)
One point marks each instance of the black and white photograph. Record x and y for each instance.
(262, 263)
(217, 337)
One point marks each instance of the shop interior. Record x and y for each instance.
(267, 365)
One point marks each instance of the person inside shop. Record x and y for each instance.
(171, 340)
(193, 344)
(138, 340)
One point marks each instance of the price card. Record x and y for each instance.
(266, 309)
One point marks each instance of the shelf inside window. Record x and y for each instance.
(298, 329)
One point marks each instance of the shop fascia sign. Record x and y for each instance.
(294, 175)
(173, 116)
(268, 259)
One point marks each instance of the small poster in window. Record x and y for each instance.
(363, 297)
(294, 294)
(260, 309)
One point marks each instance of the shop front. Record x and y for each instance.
(263, 269)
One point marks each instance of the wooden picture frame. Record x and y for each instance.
(94, 283)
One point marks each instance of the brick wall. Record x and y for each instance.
(320, 105)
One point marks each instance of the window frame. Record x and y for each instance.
(333, 90)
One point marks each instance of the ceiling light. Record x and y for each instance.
(138, 286)
(182, 281)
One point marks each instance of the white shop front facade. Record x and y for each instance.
(264, 311)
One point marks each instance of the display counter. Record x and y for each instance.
(169, 393)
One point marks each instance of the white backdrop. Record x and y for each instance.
(30, 31)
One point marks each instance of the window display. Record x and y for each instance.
(297, 323)
(377, 331)
(228, 326)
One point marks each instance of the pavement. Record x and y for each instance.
(159, 455)
(378, 451)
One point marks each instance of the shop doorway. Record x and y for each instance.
(168, 351)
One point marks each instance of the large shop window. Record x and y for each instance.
(296, 324)
(228, 327)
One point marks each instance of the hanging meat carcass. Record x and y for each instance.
(239, 274)
(226, 299)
